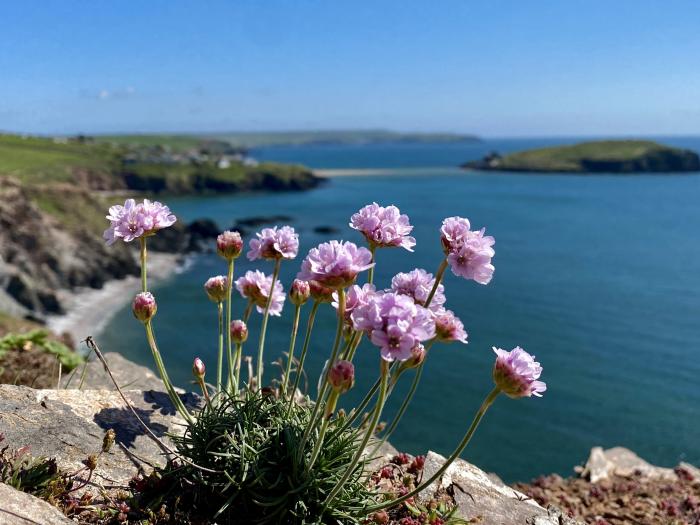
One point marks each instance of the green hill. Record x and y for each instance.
(610, 156)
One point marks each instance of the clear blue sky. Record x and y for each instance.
(495, 68)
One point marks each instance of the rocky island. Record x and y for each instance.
(609, 156)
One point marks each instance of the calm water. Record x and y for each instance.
(598, 276)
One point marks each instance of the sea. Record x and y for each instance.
(598, 276)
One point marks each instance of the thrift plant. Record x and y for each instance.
(259, 453)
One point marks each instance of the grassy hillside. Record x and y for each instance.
(285, 138)
(615, 156)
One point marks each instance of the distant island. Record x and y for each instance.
(609, 156)
(289, 138)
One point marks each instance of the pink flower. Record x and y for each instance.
(354, 297)
(417, 284)
(144, 306)
(395, 323)
(320, 293)
(335, 264)
(274, 243)
(132, 220)
(383, 227)
(516, 373)
(448, 327)
(255, 285)
(229, 245)
(299, 292)
(239, 331)
(216, 288)
(469, 253)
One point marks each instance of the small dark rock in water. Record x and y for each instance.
(326, 230)
(259, 220)
(182, 238)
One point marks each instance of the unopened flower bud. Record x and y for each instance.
(380, 517)
(216, 288)
(198, 369)
(91, 462)
(300, 292)
(341, 376)
(239, 331)
(418, 354)
(229, 245)
(320, 293)
(144, 306)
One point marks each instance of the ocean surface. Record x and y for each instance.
(598, 276)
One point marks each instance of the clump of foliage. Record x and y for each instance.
(38, 476)
(39, 339)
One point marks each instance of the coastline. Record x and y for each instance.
(88, 310)
(332, 173)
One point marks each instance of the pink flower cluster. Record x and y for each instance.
(468, 252)
(383, 227)
(394, 323)
(255, 285)
(274, 243)
(516, 373)
(417, 284)
(335, 264)
(132, 220)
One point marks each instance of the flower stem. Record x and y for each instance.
(144, 282)
(384, 376)
(370, 272)
(237, 378)
(302, 358)
(220, 362)
(229, 288)
(292, 343)
(460, 448)
(263, 328)
(205, 391)
(328, 413)
(438, 279)
(177, 402)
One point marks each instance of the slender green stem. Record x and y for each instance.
(144, 281)
(229, 289)
(237, 379)
(324, 383)
(248, 310)
(263, 329)
(302, 358)
(328, 413)
(177, 402)
(370, 272)
(384, 376)
(460, 448)
(438, 279)
(292, 343)
(205, 391)
(220, 361)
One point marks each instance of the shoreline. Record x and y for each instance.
(332, 173)
(89, 310)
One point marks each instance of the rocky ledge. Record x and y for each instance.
(69, 425)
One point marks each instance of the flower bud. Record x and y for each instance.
(300, 292)
(320, 293)
(108, 440)
(341, 376)
(229, 245)
(216, 288)
(239, 331)
(418, 354)
(198, 369)
(144, 306)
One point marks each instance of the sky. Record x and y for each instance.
(489, 67)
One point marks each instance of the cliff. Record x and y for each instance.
(612, 156)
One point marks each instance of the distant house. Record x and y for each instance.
(223, 163)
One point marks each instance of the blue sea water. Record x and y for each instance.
(598, 276)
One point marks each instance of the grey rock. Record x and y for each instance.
(70, 424)
(620, 461)
(480, 497)
(19, 508)
(127, 374)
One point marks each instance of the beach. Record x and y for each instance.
(89, 310)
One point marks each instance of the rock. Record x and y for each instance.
(326, 230)
(70, 424)
(620, 461)
(480, 497)
(127, 374)
(20, 508)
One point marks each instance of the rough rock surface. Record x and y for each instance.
(70, 424)
(19, 508)
(484, 499)
(126, 373)
(619, 461)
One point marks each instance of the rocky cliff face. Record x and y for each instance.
(40, 254)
